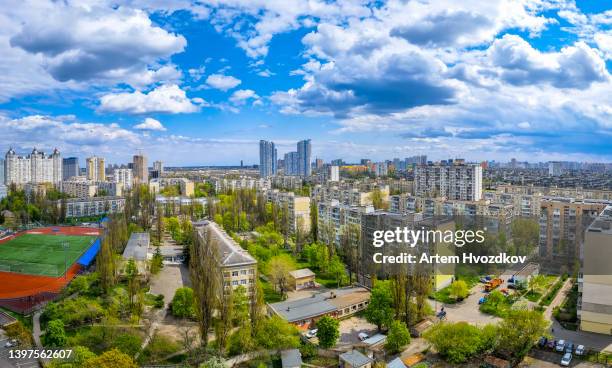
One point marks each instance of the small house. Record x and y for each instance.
(355, 359)
(300, 279)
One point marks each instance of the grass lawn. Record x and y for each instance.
(44, 255)
(270, 295)
(443, 295)
(533, 296)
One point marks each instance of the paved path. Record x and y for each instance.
(36, 332)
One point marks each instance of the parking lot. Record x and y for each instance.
(17, 363)
(547, 358)
(351, 327)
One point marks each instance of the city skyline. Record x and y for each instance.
(206, 82)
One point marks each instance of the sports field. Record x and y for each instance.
(38, 254)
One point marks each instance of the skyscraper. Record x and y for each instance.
(159, 167)
(304, 151)
(95, 168)
(70, 168)
(291, 163)
(267, 158)
(2, 169)
(35, 168)
(141, 170)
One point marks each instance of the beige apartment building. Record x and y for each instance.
(95, 168)
(186, 187)
(563, 222)
(297, 206)
(238, 267)
(595, 285)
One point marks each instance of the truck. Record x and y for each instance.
(493, 284)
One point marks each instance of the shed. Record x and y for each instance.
(355, 359)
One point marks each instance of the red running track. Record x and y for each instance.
(17, 285)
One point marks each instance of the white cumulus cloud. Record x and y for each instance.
(169, 99)
(222, 82)
(150, 124)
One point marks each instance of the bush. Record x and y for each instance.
(183, 303)
(55, 335)
(327, 331)
(398, 337)
(552, 293)
(128, 343)
(458, 342)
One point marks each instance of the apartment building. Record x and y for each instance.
(35, 168)
(333, 214)
(95, 168)
(186, 187)
(89, 207)
(563, 222)
(224, 184)
(574, 192)
(70, 168)
(267, 159)
(525, 205)
(453, 181)
(298, 208)
(141, 169)
(595, 285)
(348, 194)
(79, 187)
(236, 265)
(441, 274)
(125, 177)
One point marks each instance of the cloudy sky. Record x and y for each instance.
(201, 82)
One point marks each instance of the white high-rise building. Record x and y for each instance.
(36, 168)
(458, 182)
(334, 173)
(124, 176)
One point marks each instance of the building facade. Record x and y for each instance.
(235, 264)
(141, 170)
(267, 159)
(304, 152)
(595, 281)
(453, 181)
(95, 167)
(70, 168)
(35, 168)
(91, 207)
(124, 177)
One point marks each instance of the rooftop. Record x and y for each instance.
(603, 223)
(137, 247)
(301, 273)
(319, 303)
(355, 358)
(230, 252)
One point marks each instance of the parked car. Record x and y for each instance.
(10, 343)
(482, 300)
(363, 336)
(506, 292)
(566, 360)
(551, 344)
(542, 341)
(569, 347)
(311, 333)
(560, 345)
(580, 350)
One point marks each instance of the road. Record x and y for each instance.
(6, 362)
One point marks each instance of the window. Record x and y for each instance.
(234, 273)
(243, 282)
(243, 272)
(251, 271)
(235, 282)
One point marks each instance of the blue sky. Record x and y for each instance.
(201, 82)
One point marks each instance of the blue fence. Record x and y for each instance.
(90, 254)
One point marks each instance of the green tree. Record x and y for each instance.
(456, 342)
(519, 331)
(459, 289)
(55, 335)
(276, 333)
(111, 359)
(328, 331)
(128, 343)
(380, 309)
(183, 303)
(157, 263)
(337, 269)
(398, 337)
(279, 268)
